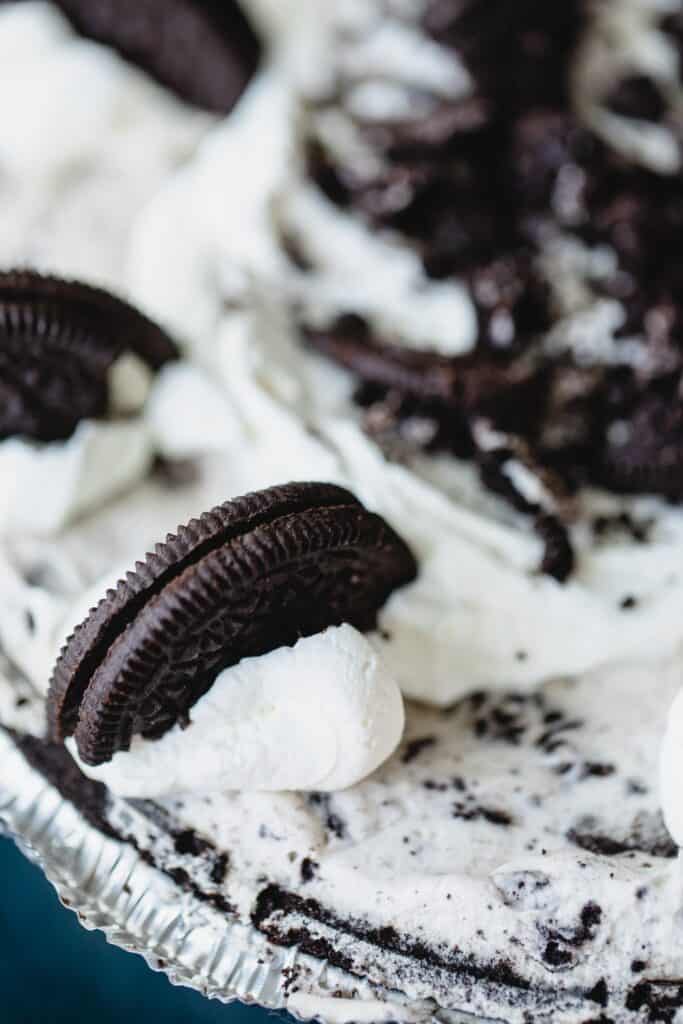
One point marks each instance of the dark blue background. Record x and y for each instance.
(54, 972)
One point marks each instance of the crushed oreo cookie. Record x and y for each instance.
(480, 186)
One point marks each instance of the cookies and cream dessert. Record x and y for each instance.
(433, 739)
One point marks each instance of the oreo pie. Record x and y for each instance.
(482, 234)
(76, 365)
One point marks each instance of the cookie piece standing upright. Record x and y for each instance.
(254, 574)
(58, 340)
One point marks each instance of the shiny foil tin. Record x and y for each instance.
(108, 885)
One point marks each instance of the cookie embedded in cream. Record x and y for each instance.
(77, 366)
(223, 605)
(321, 715)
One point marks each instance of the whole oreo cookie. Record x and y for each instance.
(204, 50)
(58, 340)
(252, 575)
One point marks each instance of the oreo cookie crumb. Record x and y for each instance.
(596, 770)
(647, 834)
(188, 842)
(219, 869)
(414, 748)
(309, 869)
(599, 993)
(659, 999)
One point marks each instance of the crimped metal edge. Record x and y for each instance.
(111, 889)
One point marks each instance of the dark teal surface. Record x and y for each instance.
(52, 971)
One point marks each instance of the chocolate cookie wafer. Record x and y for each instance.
(58, 340)
(252, 575)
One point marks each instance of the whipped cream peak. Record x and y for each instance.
(321, 715)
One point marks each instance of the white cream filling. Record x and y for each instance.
(321, 715)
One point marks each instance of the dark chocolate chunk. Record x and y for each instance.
(252, 575)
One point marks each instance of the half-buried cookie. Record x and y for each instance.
(76, 366)
(253, 575)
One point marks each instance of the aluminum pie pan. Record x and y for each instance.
(112, 889)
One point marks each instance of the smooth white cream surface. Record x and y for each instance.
(321, 715)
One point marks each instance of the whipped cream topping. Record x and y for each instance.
(671, 771)
(44, 486)
(86, 141)
(203, 239)
(321, 715)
